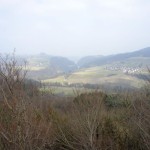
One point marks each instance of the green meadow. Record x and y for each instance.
(97, 75)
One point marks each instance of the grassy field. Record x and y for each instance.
(97, 75)
(66, 91)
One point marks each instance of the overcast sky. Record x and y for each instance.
(74, 27)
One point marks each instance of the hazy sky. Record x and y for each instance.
(74, 27)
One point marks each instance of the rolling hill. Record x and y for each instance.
(99, 76)
(44, 66)
(128, 70)
(142, 57)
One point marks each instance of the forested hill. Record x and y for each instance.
(102, 60)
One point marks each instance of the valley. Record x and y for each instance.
(128, 70)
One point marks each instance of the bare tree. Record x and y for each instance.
(22, 125)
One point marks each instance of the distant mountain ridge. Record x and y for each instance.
(88, 59)
(44, 66)
(97, 61)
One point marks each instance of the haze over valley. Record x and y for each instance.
(121, 70)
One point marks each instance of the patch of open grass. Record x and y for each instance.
(98, 75)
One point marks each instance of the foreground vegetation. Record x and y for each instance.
(31, 119)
